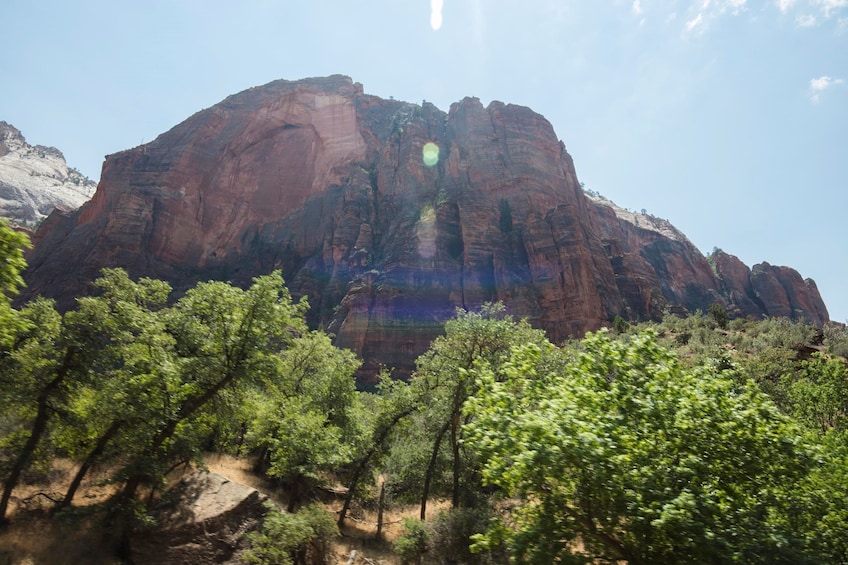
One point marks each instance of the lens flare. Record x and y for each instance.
(430, 154)
(425, 233)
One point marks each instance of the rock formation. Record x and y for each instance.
(35, 180)
(318, 179)
(203, 519)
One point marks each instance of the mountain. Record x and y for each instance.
(35, 180)
(386, 233)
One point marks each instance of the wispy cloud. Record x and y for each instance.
(827, 9)
(709, 10)
(695, 25)
(830, 7)
(637, 8)
(819, 85)
(805, 20)
(735, 6)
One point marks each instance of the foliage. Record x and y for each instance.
(451, 534)
(836, 339)
(292, 539)
(441, 386)
(637, 458)
(620, 325)
(412, 543)
(718, 314)
(307, 421)
(817, 394)
(12, 263)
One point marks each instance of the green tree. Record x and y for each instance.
(442, 386)
(34, 371)
(130, 361)
(308, 422)
(391, 408)
(635, 457)
(224, 338)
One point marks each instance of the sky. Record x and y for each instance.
(729, 118)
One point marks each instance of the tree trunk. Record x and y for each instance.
(363, 463)
(39, 425)
(380, 509)
(431, 467)
(89, 461)
(456, 460)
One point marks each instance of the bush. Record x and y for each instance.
(412, 543)
(620, 325)
(718, 314)
(292, 539)
(451, 537)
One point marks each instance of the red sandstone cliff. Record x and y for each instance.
(327, 183)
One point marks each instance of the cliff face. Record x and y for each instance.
(328, 184)
(36, 179)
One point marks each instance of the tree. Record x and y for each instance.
(224, 338)
(34, 371)
(636, 457)
(391, 408)
(442, 386)
(130, 361)
(307, 422)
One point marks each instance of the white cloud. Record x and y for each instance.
(735, 6)
(819, 85)
(828, 7)
(436, 14)
(785, 5)
(637, 8)
(805, 20)
(694, 23)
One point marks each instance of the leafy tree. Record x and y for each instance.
(442, 385)
(130, 361)
(391, 408)
(307, 423)
(636, 457)
(34, 372)
(224, 338)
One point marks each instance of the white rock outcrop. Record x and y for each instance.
(36, 179)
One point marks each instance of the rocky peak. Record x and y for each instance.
(36, 179)
(332, 186)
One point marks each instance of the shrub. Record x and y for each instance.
(451, 537)
(412, 543)
(292, 539)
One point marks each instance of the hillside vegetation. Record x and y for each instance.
(688, 440)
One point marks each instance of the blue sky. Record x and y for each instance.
(727, 117)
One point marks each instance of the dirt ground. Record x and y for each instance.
(33, 538)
